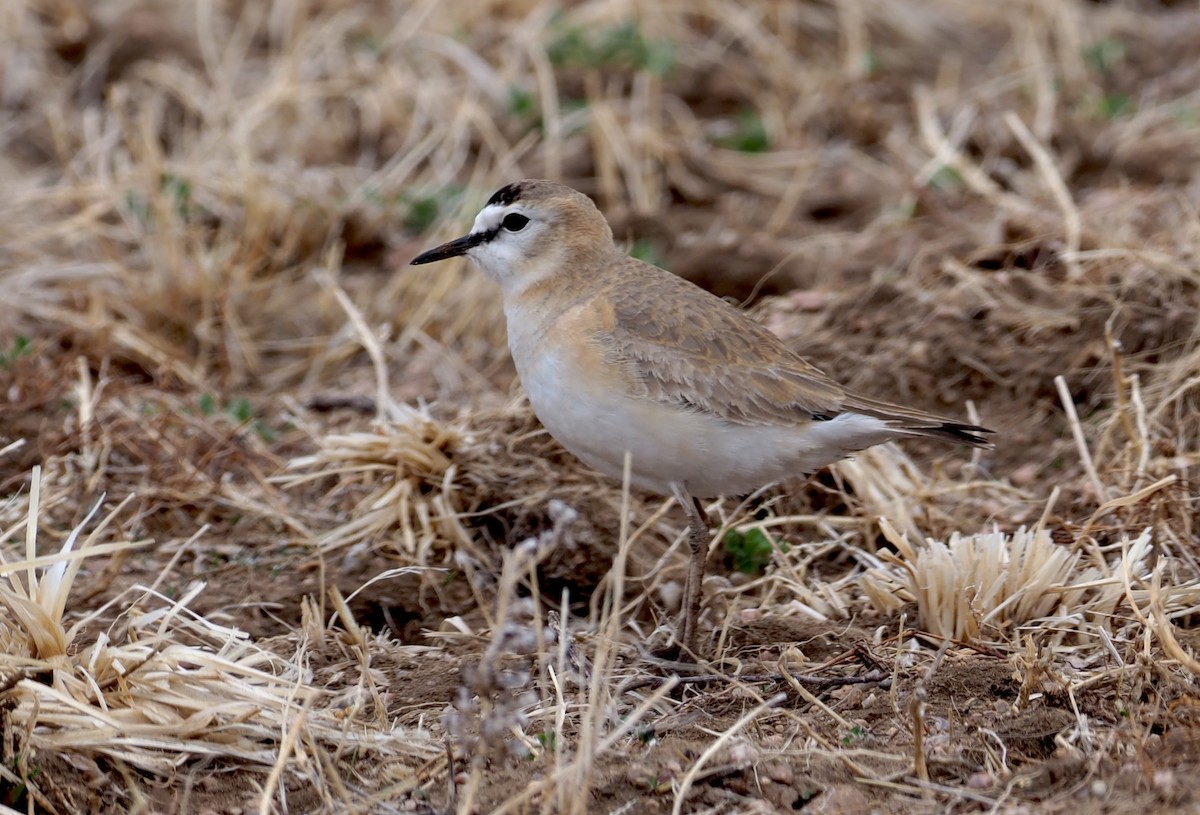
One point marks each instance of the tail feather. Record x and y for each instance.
(953, 431)
(918, 423)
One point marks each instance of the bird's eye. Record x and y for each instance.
(514, 222)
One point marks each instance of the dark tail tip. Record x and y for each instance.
(973, 435)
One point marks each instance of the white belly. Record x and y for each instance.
(706, 455)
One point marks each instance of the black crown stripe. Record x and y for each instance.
(505, 195)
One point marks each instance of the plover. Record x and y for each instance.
(617, 355)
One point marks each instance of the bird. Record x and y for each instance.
(618, 356)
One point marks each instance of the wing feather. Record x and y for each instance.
(681, 345)
(690, 348)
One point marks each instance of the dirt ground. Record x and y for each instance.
(281, 533)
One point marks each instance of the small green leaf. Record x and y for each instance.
(521, 103)
(751, 550)
(264, 431)
(659, 57)
(180, 189)
(373, 195)
(856, 734)
(750, 134)
(1104, 56)
(946, 178)
(422, 209)
(138, 206)
(241, 409)
(619, 47)
(20, 347)
(371, 43)
(1114, 105)
(644, 250)
(422, 213)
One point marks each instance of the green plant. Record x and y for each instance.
(1114, 105)
(751, 550)
(180, 189)
(1105, 55)
(521, 102)
(422, 210)
(873, 63)
(750, 134)
(181, 193)
(241, 410)
(857, 733)
(946, 178)
(644, 250)
(622, 46)
(20, 347)
(422, 213)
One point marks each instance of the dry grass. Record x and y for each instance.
(282, 535)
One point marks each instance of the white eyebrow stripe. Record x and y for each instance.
(488, 219)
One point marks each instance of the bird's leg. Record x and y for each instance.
(698, 539)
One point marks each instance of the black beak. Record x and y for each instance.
(450, 249)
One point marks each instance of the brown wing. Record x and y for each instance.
(687, 347)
